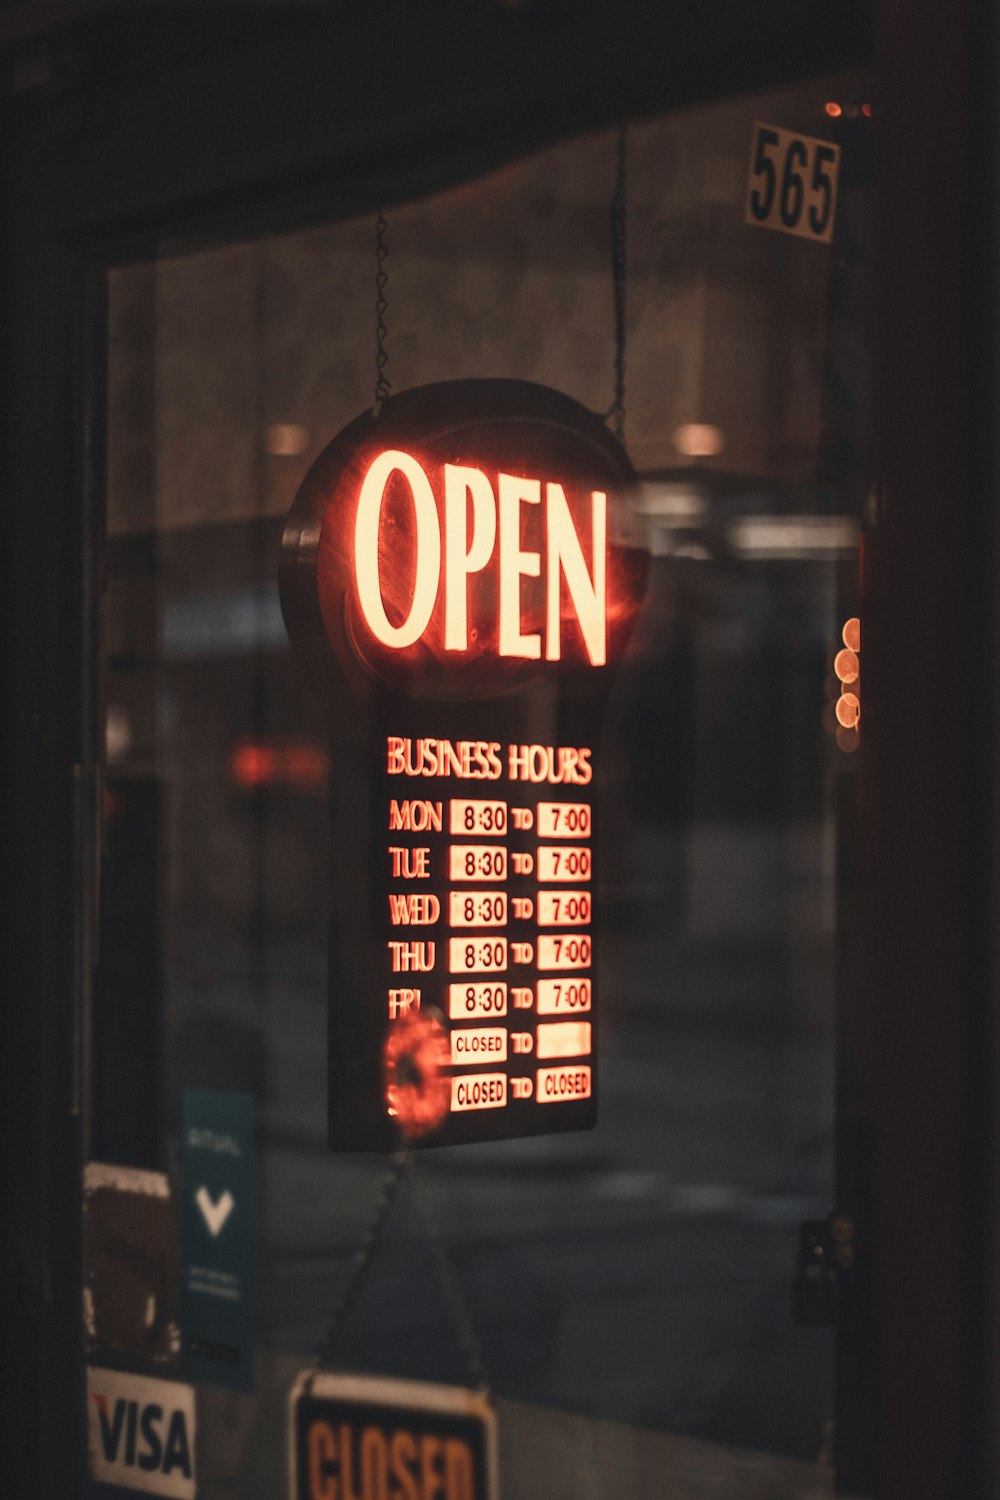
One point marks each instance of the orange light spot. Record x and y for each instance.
(416, 1062)
(846, 665)
(253, 763)
(286, 439)
(833, 109)
(852, 634)
(848, 710)
(303, 765)
(699, 439)
(866, 110)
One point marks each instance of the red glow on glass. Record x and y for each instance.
(417, 1066)
(833, 109)
(258, 763)
(866, 110)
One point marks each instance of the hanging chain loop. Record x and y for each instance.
(618, 266)
(382, 385)
(403, 1163)
(370, 1241)
(468, 1341)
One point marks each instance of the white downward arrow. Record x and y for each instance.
(214, 1214)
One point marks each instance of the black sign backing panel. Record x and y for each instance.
(364, 1437)
(452, 919)
(466, 773)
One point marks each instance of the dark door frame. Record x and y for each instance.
(127, 128)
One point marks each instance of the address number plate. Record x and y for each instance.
(793, 183)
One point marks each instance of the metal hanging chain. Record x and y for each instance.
(362, 1260)
(468, 1341)
(618, 267)
(382, 385)
(403, 1162)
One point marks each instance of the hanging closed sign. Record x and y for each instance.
(358, 1437)
(456, 581)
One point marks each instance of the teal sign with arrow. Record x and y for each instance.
(217, 1228)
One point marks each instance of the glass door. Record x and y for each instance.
(654, 1299)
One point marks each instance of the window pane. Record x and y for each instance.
(641, 1273)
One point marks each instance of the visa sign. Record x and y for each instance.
(141, 1433)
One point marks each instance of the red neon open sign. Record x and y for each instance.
(481, 522)
(462, 541)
